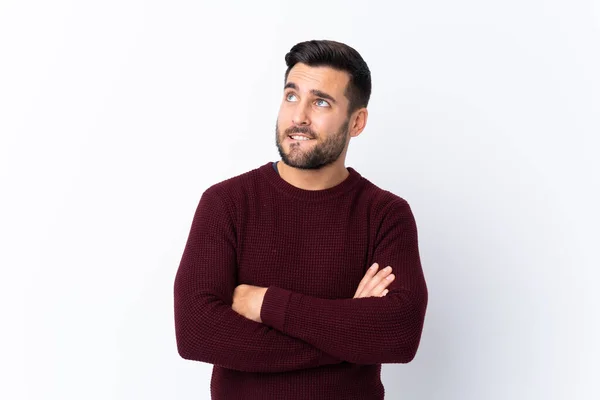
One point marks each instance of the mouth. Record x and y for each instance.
(300, 138)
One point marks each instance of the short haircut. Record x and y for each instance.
(339, 56)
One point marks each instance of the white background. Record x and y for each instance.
(115, 116)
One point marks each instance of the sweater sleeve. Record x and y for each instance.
(207, 329)
(368, 330)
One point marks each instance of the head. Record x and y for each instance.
(326, 92)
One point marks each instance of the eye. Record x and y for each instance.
(326, 104)
(287, 96)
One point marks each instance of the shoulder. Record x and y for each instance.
(383, 201)
(234, 190)
(390, 212)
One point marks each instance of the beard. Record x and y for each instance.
(319, 155)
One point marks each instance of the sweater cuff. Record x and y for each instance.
(274, 307)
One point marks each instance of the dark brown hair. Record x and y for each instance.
(339, 56)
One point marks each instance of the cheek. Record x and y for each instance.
(322, 125)
(285, 116)
(336, 124)
(281, 126)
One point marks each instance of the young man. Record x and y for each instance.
(274, 286)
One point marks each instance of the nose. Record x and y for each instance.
(300, 116)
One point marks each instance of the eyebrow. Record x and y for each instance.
(316, 92)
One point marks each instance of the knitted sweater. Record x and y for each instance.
(310, 249)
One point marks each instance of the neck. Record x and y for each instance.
(314, 179)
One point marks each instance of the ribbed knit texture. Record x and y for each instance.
(311, 249)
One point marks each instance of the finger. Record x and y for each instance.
(380, 290)
(376, 279)
(370, 272)
(382, 286)
(384, 272)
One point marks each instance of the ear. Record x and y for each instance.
(358, 122)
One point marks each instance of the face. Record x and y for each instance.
(312, 125)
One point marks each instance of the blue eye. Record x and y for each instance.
(326, 103)
(287, 96)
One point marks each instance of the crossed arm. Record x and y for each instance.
(207, 329)
(218, 322)
(248, 299)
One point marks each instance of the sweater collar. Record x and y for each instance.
(282, 185)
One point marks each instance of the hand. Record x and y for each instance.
(247, 301)
(375, 285)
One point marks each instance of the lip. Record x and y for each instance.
(298, 134)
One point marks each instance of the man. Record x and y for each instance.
(274, 286)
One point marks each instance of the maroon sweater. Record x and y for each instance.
(311, 249)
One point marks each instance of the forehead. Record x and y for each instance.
(322, 78)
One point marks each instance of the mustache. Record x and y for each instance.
(300, 129)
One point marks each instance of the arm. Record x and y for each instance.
(368, 330)
(207, 329)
